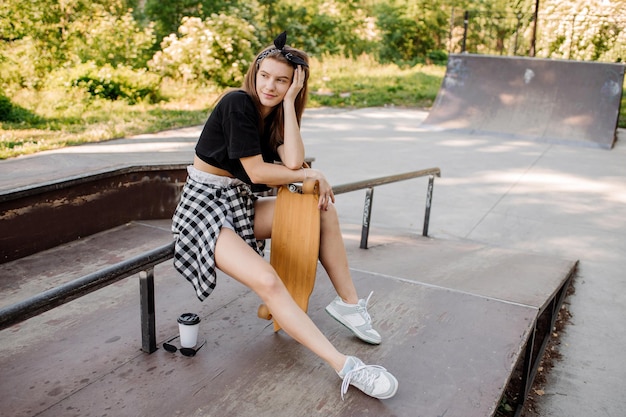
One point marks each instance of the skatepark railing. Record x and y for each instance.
(369, 195)
(54, 297)
(144, 265)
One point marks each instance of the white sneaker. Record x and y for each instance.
(373, 380)
(356, 318)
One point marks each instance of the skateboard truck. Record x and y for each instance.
(307, 187)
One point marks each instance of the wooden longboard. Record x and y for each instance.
(295, 242)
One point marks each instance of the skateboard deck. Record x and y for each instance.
(295, 242)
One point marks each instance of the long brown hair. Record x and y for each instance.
(249, 86)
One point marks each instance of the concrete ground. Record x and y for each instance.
(556, 200)
(551, 199)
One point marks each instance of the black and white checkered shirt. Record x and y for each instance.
(197, 222)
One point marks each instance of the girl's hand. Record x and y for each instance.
(326, 195)
(296, 84)
(326, 191)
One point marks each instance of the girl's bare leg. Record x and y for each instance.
(332, 250)
(333, 256)
(237, 259)
(234, 257)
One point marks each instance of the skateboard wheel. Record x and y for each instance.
(264, 312)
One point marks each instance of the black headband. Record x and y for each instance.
(279, 45)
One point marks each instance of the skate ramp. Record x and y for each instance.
(558, 101)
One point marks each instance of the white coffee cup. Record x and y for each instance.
(188, 326)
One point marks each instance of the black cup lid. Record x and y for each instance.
(189, 319)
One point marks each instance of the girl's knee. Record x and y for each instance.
(330, 216)
(268, 284)
(331, 213)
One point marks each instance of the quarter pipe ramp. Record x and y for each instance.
(570, 102)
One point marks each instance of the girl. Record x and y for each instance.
(220, 223)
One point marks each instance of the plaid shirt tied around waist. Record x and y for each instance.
(196, 225)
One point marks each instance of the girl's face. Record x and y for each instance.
(273, 79)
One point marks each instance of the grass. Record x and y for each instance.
(55, 119)
(365, 83)
(58, 133)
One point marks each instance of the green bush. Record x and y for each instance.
(12, 114)
(6, 108)
(120, 83)
(438, 57)
(218, 49)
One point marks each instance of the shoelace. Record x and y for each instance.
(363, 308)
(361, 375)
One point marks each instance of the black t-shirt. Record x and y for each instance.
(232, 132)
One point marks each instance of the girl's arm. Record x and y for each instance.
(291, 152)
(261, 172)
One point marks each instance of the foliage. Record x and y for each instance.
(218, 49)
(583, 31)
(572, 29)
(168, 16)
(403, 38)
(326, 27)
(107, 82)
(6, 108)
(438, 57)
(493, 27)
(109, 39)
(25, 64)
(39, 36)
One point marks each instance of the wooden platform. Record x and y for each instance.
(455, 318)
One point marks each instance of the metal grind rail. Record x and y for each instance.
(144, 265)
(54, 297)
(369, 195)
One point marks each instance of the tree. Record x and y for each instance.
(111, 39)
(35, 35)
(168, 15)
(324, 27)
(410, 31)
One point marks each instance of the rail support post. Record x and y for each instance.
(367, 215)
(429, 198)
(148, 327)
